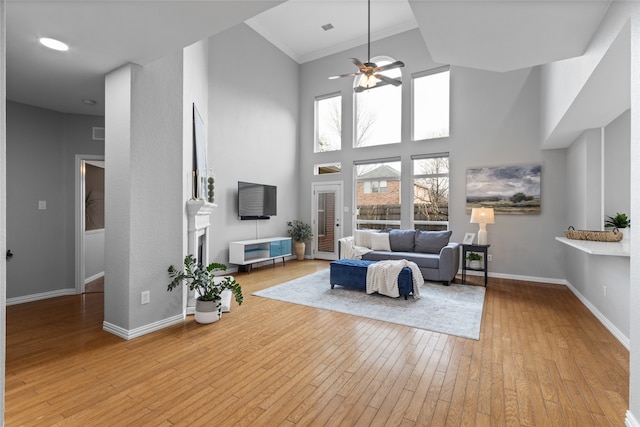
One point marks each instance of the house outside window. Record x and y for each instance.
(378, 194)
(430, 113)
(431, 192)
(328, 123)
(378, 111)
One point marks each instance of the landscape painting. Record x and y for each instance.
(506, 189)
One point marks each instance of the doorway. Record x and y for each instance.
(327, 219)
(90, 232)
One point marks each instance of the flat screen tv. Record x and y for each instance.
(256, 201)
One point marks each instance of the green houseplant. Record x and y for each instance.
(207, 286)
(300, 232)
(474, 259)
(620, 220)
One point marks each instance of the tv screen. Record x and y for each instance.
(256, 201)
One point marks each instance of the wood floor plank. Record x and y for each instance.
(542, 359)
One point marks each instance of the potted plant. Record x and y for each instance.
(207, 286)
(300, 233)
(621, 222)
(474, 260)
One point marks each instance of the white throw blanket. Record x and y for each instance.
(349, 250)
(382, 277)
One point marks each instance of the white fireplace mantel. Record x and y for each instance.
(199, 223)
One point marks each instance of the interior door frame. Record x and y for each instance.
(81, 159)
(339, 213)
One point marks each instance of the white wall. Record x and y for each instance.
(41, 149)
(252, 133)
(633, 417)
(93, 254)
(3, 204)
(494, 122)
(144, 193)
(617, 165)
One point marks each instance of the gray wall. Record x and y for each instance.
(252, 133)
(41, 149)
(494, 122)
(617, 165)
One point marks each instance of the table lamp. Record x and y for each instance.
(482, 216)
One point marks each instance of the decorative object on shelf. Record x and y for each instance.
(474, 260)
(300, 232)
(210, 189)
(468, 238)
(595, 236)
(513, 189)
(620, 221)
(482, 216)
(207, 286)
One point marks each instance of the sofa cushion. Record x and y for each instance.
(402, 240)
(380, 242)
(362, 238)
(431, 242)
(421, 260)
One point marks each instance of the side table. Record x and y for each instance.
(483, 249)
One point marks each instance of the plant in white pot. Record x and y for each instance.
(474, 260)
(300, 232)
(207, 286)
(620, 221)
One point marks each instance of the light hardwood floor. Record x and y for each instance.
(542, 360)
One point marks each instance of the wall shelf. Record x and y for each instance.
(598, 248)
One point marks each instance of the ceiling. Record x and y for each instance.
(104, 35)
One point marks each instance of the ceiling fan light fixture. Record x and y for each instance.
(368, 81)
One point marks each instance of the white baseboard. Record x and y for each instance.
(41, 296)
(142, 330)
(94, 277)
(536, 279)
(624, 340)
(631, 421)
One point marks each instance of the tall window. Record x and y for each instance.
(378, 194)
(378, 111)
(328, 123)
(431, 104)
(431, 192)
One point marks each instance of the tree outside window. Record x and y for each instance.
(328, 123)
(431, 193)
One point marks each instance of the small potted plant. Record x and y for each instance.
(621, 222)
(300, 232)
(207, 286)
(474, 260)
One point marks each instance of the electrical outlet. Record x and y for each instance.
(42, 205)
(145, 297)
(604, 291)
(489, 257)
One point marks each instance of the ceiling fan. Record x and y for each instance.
(369, 71)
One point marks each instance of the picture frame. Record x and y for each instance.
(510, 190)
(468, 238)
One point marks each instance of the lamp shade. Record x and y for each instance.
(482, 216)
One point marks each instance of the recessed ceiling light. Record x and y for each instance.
(54, 44)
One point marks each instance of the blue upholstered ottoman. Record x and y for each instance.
(353, 274)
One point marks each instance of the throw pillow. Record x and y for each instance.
(380, 242)
(402, 240)
(431, 242)
(362, 238)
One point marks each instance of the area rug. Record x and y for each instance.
(453, 310)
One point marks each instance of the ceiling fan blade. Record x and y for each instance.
(359, 89)
(344, 75)
(358, 63)
(391, 66)
(386, 79)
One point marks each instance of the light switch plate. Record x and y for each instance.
(42, 205)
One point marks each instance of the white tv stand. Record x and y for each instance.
(249, 252)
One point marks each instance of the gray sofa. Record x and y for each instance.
(437, 258)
